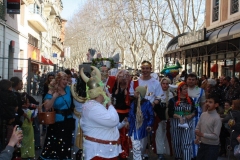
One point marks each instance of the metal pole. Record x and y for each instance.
(54, 68)
(4, 48)
(29, 76)
(234, 64)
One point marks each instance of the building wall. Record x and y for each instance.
(63, 32)
(8, 34)
(208, 12)
(18, 29)
(224, 11)
(225, 15)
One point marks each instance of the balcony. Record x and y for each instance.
(57, 43)
(28, 1)
(53, 6)
(2, 11)
(36, 19)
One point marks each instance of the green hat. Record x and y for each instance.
(142, 90)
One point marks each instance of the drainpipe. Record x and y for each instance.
(4, 43)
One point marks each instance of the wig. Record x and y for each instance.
(179, 89)
(53, 86)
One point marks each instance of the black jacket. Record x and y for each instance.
(8, 104)
(235, 130)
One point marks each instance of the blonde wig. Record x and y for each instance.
(53, 86)
(139, 115)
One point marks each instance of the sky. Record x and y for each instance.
(70, 7)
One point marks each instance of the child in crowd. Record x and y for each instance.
(140, 121)
(208, 130)
(227, 108)
(28, 149)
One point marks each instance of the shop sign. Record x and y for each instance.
(192, 37)
(13, 6)
(17, 73)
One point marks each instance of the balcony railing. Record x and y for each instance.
(53, 2)
(2, 10)
(38, 11)
(215, 13)
(234, 6)
(37, 20)
(57, 43)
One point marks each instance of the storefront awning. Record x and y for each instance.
(214, 68)
(223, 33)
(46, 61)
(50, 62)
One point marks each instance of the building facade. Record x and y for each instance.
(214, 50)
(30, 41)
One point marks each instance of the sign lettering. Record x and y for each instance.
(192, 37)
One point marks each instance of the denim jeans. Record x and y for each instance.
(36, 131)
(207, 152)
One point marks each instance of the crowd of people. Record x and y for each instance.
(105, 115)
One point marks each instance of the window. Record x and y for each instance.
(215, 10)
(32, 40)
(234, 6)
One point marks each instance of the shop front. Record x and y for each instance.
(213, 53)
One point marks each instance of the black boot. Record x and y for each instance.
(79, 154)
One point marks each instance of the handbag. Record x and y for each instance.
(47, 117)
(237, 151)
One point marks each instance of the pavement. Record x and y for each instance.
(152, 156)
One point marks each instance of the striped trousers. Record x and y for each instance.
(139, 146)
(181, 140)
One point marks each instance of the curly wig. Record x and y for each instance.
(55, 82)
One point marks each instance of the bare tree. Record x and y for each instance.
(138, 29)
